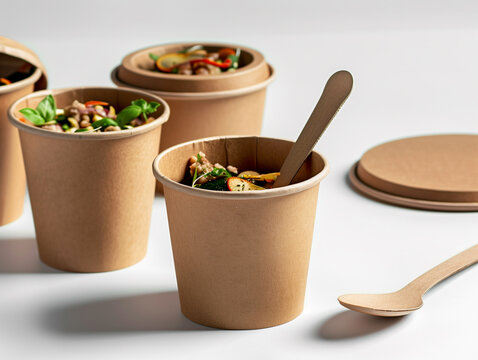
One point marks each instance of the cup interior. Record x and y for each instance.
(141, 60)
(261, 154)
(10, 65)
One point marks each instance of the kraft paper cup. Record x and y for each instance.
(12, 173)
(241, 259)
(13, 56)
(91, 193)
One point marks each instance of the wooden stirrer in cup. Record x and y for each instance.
(335, 93)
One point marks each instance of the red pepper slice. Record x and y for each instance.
(5, 81)
(23, 120)
(95, 102)
(224, 65)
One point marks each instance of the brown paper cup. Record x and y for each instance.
(12, 173)
(241, 259)
(91, 194)
(13, 56)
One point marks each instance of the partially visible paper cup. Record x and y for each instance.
(14, 56)
(91, 193)
(241, 258)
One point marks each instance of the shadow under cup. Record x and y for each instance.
(241, 258)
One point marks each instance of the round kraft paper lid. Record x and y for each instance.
(436, 168)
(17, 50)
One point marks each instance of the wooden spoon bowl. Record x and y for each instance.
(409, 298)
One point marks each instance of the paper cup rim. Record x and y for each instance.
(199, 95)
(32, 79)
(258, 59)
(231, 195)
(93, 135)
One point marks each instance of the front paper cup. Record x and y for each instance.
(241, 258)
(91, 193)
(12, 173)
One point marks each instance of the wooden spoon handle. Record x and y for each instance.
(444, 270)
(335, 93)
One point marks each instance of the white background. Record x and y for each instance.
(415, 70)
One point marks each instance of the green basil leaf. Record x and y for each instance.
(153, 56)
(105, 122)
(33, 116)
(152, 107)
(234, 61)
(127, 114)
(82, 130)
(47, 108)
(143, 104)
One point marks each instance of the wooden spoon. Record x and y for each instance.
(409, 298)
(335, 93)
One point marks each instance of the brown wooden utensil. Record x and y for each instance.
(335, 93)
(409, 298)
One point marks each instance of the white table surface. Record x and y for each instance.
(415, 69)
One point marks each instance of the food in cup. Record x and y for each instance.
(90, 116)
(25, 71)
(197, 61)
(204, 174)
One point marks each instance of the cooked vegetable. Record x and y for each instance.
(264, 177)
(103, 123)
(4, 81)
(218, 185)
(248, 173)
(205, 175)
(198, 61)
(96, 102)
(239, 184)
(91, 116)
(168, 62)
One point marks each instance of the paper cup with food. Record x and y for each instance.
(88, 154)
(21, 72)
(213, 89)
(241, 248)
